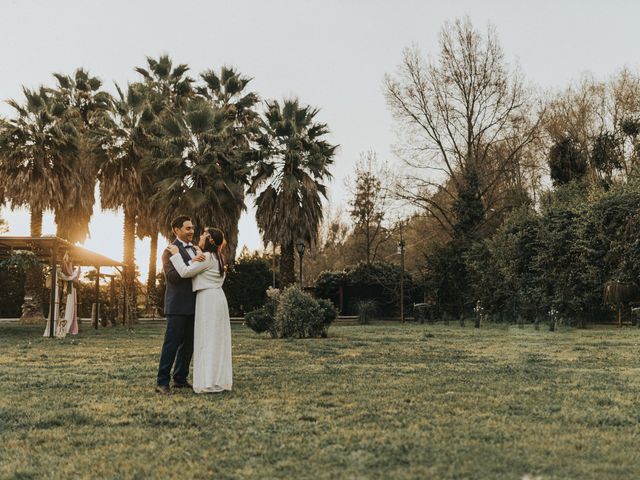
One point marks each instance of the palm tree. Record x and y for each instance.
(39, 158)
(167, 90)
(206, 168)
(203, 173)
(227, 93)
(169, 86)
(295, 160)
(87, 105)
(120, 145)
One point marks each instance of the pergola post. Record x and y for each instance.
(112, 298)
(97, 287)
(54, 285)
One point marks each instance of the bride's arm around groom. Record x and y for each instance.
(184, 270)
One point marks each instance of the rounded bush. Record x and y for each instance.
(329, 311)
(259, 320)
(299, 315)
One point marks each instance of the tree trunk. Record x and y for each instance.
(129, 284)
(62, 229)
(33, 291)
(368, 239)
(231, 235)
(36, 222)
(151, 281)
(287, 265)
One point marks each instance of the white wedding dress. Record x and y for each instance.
(212, 371)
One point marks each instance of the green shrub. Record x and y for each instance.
(259, 320)
(377, 281)
(292, 313)
(327, 285)
(246, 283)
(299, 315)
(367, 309)
(263, 319)
(273, 300)
(329, 311)
(12, 279)
(422, 312)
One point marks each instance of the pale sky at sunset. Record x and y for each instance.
(331, 54)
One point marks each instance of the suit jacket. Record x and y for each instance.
(179, 297)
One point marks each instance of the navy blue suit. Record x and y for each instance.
(179, 308)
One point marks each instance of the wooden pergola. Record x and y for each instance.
(49, 249)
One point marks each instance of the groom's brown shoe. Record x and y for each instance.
(182, 385)
(163, 389)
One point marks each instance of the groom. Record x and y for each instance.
(179, 308)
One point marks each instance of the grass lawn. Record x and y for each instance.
(379, 401)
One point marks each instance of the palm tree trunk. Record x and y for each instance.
(232, 241)
(61, 232)
(129, 284)
(36, 222)
(32, 304)
(287, 265)
(61, 225)
(151, 281)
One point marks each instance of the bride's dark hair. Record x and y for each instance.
(213, 243)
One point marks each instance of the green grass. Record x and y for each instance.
(377, 401)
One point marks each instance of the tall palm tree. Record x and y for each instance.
(39, 158)
(227, 92)
(206, 169)
(87, 105)
(295, 161)
(203, 173)
(167, 90)
(121, 144)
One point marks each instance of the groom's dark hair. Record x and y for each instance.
(179, 221)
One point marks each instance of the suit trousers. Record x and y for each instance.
(177, 349)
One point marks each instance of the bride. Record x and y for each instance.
(212, 370)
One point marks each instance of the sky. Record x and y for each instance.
(332, 55)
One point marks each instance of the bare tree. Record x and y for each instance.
(462, 116)
(331, 251)
(370, 197)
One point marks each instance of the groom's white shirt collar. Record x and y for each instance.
(184, 244)
(190, 251)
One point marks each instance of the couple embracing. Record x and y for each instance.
(197, 312)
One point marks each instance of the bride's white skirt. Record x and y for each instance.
(212, 371)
